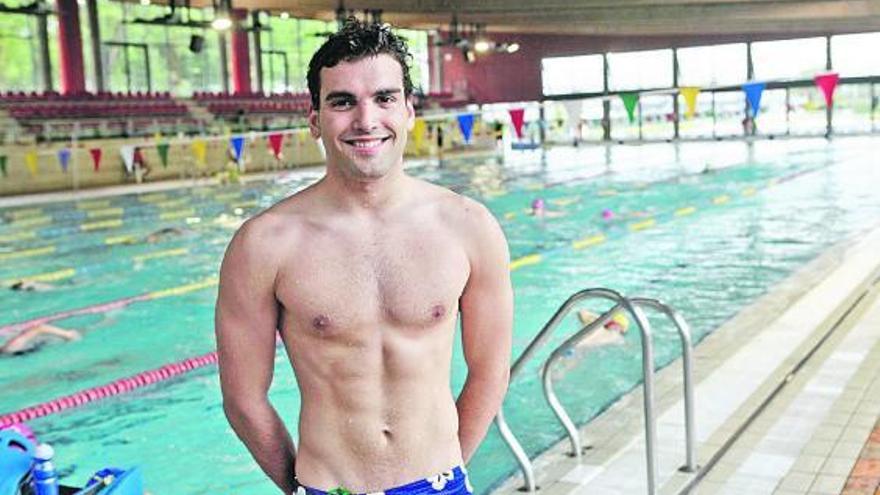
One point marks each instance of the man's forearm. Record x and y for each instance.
(477, 406)
(263, 433)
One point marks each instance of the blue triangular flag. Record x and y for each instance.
(237, 144)
(753, 95)
(466, 124)
(64, 158)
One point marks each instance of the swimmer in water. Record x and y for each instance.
(35, 338)
(164, 234)
(539, 210)
(611, 332)
(31, 286)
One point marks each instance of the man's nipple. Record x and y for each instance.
(321, 322)
(438, 311)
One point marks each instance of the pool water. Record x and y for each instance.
(786, 201)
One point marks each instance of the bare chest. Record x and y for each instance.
(407, 278)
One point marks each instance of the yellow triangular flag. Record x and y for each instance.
(200, 151)
(690, 98)
(418, 132)
(30, 159)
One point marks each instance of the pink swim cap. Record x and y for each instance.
(607, 214)
(538, 204)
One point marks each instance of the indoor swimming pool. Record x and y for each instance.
(705, 227)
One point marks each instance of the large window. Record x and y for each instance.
(854, 55)
(789, 59)
(708, 66)
(20, 56)
(570, 75)
(640, 70)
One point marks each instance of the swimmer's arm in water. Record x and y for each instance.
(245, 325)
(25, 339)
(486, 325)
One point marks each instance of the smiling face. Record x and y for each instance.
(364, 117)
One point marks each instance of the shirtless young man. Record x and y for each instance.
(364, 274)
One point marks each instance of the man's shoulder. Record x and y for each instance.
(263, 231)
(461, 211)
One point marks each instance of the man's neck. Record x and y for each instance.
(366, 195)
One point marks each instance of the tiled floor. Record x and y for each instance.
(810, 381)
(864, 479)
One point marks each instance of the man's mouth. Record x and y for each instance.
(366, 143)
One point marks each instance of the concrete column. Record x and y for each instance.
(70, 47)
(676, 111)
(606, 103)
(435, 62)
(224, 62)
(258, 52)
(241, 60)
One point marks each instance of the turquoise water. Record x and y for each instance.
(708, 264)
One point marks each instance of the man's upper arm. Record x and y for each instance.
(246, 316)
(487, 301)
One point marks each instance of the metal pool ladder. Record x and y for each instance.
(633, 306)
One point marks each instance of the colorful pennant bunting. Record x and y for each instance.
(127, 153)
(96, 157)
(753, 92)
(573, 108)
(275, 141)
(237, 145)
(517, 116)
(827, 83)
(200, 152)
(64, 158)
(30, 160)
(466, 125)
(419, 130)
(162, 150)
(629, 102)
(690, 99)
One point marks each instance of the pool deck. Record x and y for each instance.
(787, 399)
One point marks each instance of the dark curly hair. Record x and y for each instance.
(357, 40)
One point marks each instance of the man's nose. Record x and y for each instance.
(365, 116)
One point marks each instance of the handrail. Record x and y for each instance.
(647, 366)
(684, 333)
(687, 360)
(547, 377)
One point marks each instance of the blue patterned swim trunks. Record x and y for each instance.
(452, 482)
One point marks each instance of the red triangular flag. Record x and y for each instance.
(275, 141)
(827, 83)
(517, 116)
(96, 157)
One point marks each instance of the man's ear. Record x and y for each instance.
(411, 114)
(314, 128)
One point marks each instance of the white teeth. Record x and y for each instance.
(367, 144)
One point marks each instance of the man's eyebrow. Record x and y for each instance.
(388, 91)
(338, 94)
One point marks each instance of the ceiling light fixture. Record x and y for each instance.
(221, 23)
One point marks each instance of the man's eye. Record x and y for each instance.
(341, 103)
(385, 99)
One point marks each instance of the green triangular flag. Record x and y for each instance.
(3, 165)
(629, 101)
(162, 148)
